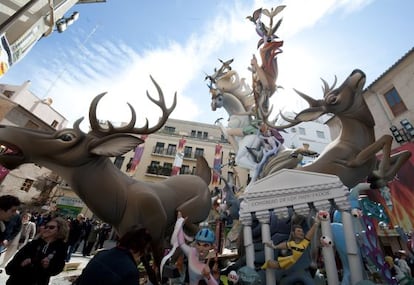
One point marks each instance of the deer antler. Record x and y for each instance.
(129, 128)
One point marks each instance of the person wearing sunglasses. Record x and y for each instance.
(41, 258)
(197, 255)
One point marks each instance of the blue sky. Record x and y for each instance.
(115, 46)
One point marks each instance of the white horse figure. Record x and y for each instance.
(239, 120)
(252, 146)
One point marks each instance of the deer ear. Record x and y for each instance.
(115, 145)
(310, 114)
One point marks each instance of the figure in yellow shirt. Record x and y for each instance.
(297, 245)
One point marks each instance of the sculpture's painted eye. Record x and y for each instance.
(66, 137)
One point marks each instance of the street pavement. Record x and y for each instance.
(66, 277)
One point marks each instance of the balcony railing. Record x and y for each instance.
(171, 153)
(164, 151)
(159, 170)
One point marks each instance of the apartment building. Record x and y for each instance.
(178, 144)
(23, 23)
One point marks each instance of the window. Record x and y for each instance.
(8, 93)
(159, 148)
(188, 150)
(193, 133)
(155, 163)
(118, 161)
(185, 169)
(153, 167)
(395, 103)
(320, 134)
(302, 131)
(293, 130)
(205, 135)
(171, 149)
(198, 152)
(27, 184)
(129, 165)
(54, 124)
(166, 169)
(169, 129)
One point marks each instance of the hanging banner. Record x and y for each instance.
(402, 193)
(179, 155)
(5, 55)
(3, 172)
(139, 150)
(217, 165)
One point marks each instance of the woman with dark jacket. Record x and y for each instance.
(118, 265)
(41, 258)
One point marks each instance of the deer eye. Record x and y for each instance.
(66, 137)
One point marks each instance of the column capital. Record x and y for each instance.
(246, 219)
(263, 217)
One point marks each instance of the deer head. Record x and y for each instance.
(344, 101)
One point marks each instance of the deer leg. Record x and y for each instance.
(396, 161)
(384, 144)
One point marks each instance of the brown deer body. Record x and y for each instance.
(82, 160)
(352, 156)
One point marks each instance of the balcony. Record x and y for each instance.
(159, 170)
(164, 152)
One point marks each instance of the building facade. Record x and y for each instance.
(390, 98)
(175, 148)
(20, 107)
(23, 23)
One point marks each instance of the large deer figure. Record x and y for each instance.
(352, 156)
(82, 160)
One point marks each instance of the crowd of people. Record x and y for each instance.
(401, 267)
(34, 247)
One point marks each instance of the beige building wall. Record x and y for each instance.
(401, 77)
(173, 131)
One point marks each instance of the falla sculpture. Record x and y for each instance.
(257, 141)
(82, 159)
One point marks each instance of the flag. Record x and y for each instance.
(217, 165)
(179, 155)
(139, 150)
(3, 172)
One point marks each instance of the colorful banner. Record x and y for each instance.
(402, 193)
(3, 172)
(217, 165)
(5, 55)
(179, 155)
(139, 150)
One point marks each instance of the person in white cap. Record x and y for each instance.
(402, 263)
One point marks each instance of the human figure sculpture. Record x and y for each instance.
(297, 244)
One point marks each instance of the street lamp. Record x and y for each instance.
(63, 22)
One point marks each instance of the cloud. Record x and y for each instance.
(115, 66)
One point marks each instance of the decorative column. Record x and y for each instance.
(246, 220)
(328, 253)
(264, 219)
(355, 265)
